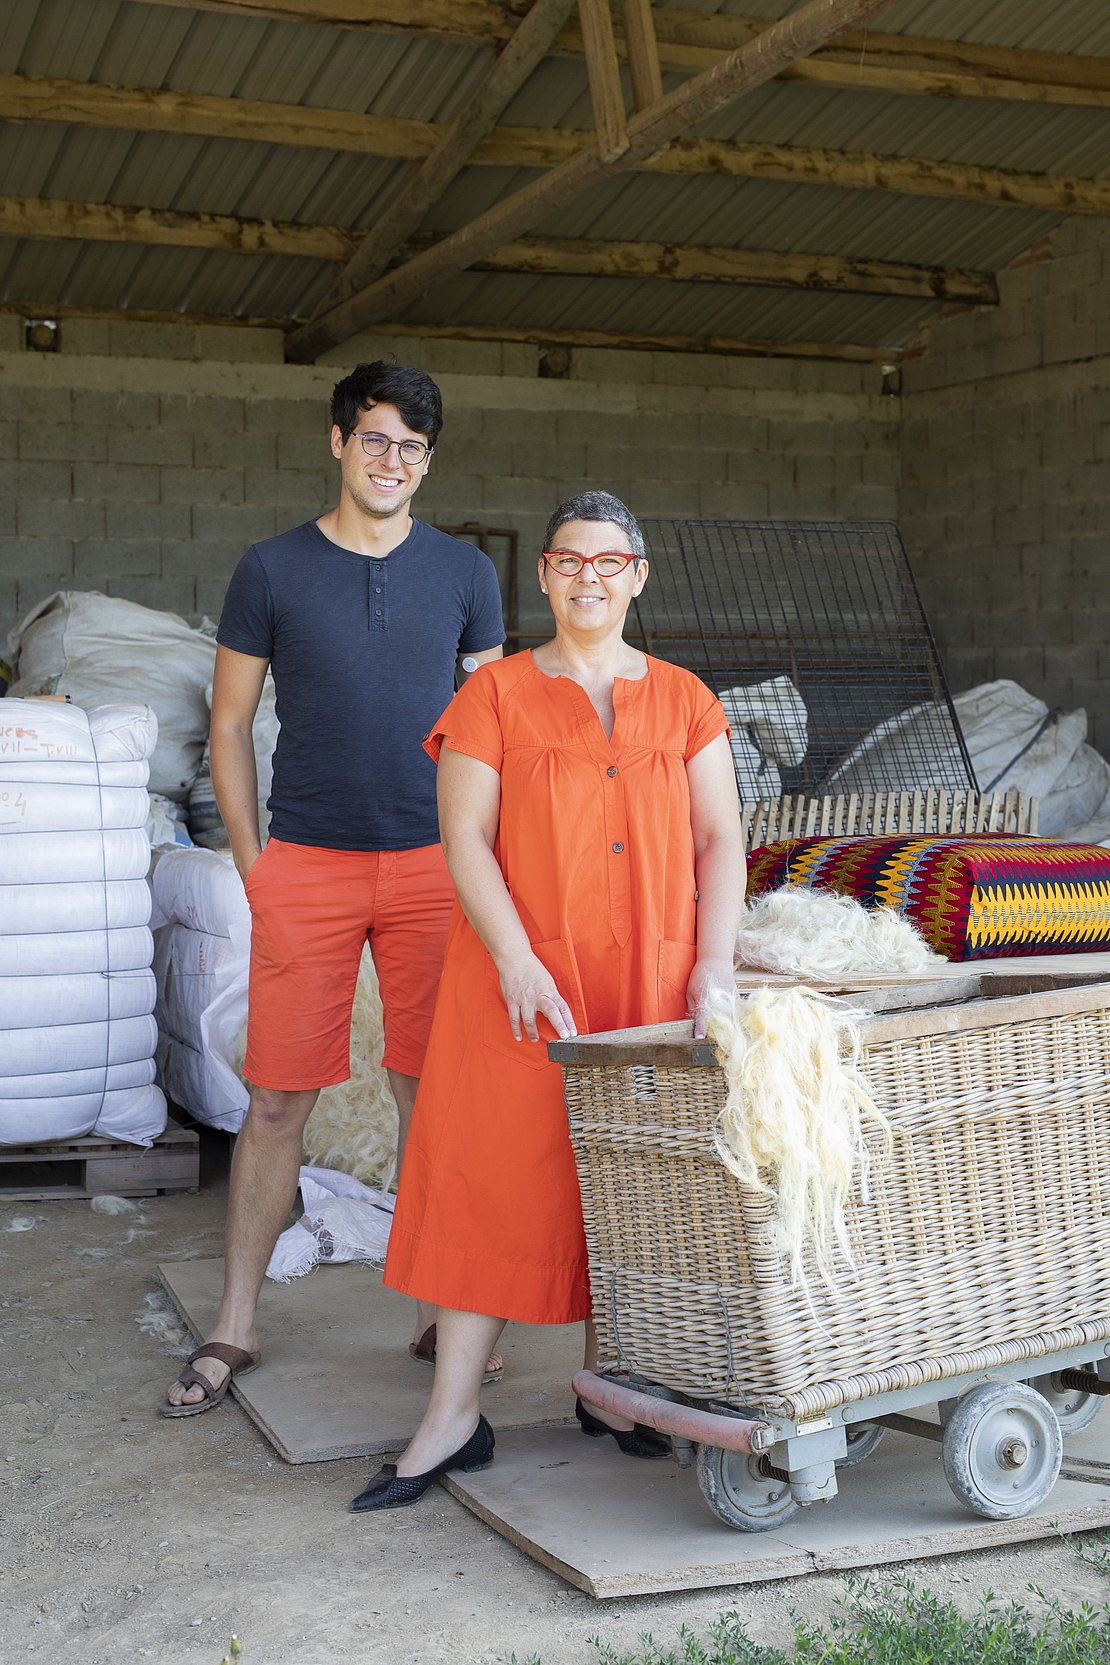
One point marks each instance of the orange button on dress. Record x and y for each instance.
(595, 844)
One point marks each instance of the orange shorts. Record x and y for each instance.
(311, 911)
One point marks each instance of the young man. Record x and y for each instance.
(365, 617)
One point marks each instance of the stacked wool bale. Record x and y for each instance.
(77, 1033)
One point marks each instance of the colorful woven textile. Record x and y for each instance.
(972, 896)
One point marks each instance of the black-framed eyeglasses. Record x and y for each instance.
(410, 451)
(568, 563)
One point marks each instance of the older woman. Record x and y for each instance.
(589, 816)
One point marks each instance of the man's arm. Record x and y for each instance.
(467, 663)
(236, 691)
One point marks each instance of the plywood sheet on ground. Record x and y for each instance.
(336, 1379)
(618, 1526)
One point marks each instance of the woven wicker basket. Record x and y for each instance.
(986, 1238)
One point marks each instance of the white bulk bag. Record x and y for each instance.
(206, 826)
(104, 650)
(76, 989)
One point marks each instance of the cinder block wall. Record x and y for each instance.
(142, 459)
(1006, 478)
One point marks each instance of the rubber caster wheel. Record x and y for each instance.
(739, 1494)
(863, 1437)
(1075, 1410)
(1002, 1449)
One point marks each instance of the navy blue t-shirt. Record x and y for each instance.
(363, 652)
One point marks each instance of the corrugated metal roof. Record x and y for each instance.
(129, 43)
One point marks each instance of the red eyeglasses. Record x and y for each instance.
(568, 563)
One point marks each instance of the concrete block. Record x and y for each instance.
(161, 447)
(813, 470)
(210, 594)
(735, 502)
(247, 450)
(463, 425)
(598, 463)
(201, 485)
(25, 558)
(1090, 559)
(1019, 526)
(207, 413)
(806, 503)
(246, 523)
(9, 440)
(168, 595)
(521, 426)
(792, 438)
(1014, 354)
(56, 518)
(200, 559)
(690, 370)
(737, 432)
(1090, 624)
(11, 334)
(1076, 518)
(469, 490)
(118, 482)
(774, 374)
(670, 499)
(21, 480)
(61, 443)
(284, 487)
(611, 364)
(22, 401)
(1071, 660)
(147, 520)
(566, 461)
(86, 337)
(117, 408)
(860, 503)
(117, 556)
(298, 451)
(127, 339)
(520, 358)
(235, 343)
(286, 416)
(966, 666)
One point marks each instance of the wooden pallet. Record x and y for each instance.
(90, 1167)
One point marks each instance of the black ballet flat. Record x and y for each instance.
(638, 1441)
(390, 1490)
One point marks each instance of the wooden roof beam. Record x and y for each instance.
(603, 72)
(837, 352)
(642, 50)
(101, 222)
(648, 132)
(688, 41)
(139, 109)
(426, 184)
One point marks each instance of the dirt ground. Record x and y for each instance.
(128, 1537)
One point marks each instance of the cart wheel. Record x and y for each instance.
(1075, 1410)
(863, 1437)
(739, 1495)
(1002, 1449)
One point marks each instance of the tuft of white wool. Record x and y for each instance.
(353, 1127)
(113, 1205)
(822, 935)
(792, 1126)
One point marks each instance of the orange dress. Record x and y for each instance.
(595, 844)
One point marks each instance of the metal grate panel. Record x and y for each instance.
(767, 611)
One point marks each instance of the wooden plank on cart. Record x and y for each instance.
(92, 1167)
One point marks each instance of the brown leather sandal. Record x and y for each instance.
(238, 1362)
(424, 1352)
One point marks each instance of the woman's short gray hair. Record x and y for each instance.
(596, 505)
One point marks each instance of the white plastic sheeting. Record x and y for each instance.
(1015, 742)
(76, 989)
(101, 649)
(206, 825)
(201, 959)
(769, 724)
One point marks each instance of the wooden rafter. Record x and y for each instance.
(603, 71)
(642, 51)
(649, 131)
(688, 42)
(837, 352)
(427, 182)
(99, 222)
(135, 109)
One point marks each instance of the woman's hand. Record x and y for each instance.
(528, 989)
(706, 976)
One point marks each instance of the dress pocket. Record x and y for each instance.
(676, 962)
(497, 1035)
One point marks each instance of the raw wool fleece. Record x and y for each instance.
(792, 1124)
(821, 935)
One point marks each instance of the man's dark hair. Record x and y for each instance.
(413, 392)
(596, 505)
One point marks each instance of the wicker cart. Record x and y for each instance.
(982, 1256)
